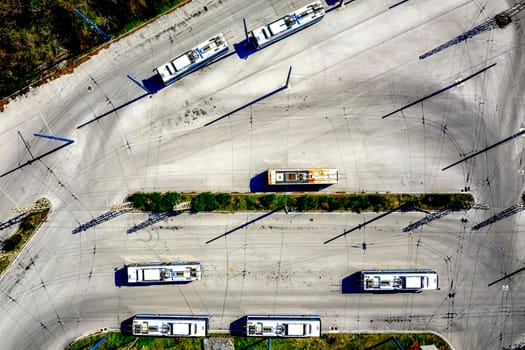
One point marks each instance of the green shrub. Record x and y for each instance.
(10, 244)
(224, 200)
(334, 203)
(307, 202)
(323, 202)
(139, 200)
(252, 202)
(378, 202)
(169, 200)
(239, 203)
(204, 202)
(358, 203)
(268, 200)
(154, 202)
(4, 263)
(340, 341)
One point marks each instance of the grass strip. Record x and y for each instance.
(339, 341)
(356, 202)
(12, 245)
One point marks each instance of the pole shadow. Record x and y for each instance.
(238, 327)
(108, 113)
(271, 93)
(31, 161)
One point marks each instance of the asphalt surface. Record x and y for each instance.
(357, 65)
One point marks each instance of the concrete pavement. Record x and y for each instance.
(358, 64)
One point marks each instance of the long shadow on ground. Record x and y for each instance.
(238, 327)
(126, 326)
(352, 284)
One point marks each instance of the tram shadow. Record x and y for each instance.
(126, 326)
(259, 183)
(238, 327)
(121, 277)
(244, 49)
(153, 84)
(352, 284)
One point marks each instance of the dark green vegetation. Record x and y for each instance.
(120, 341)
(116, 341)
(14, 243)
(207, 201)
(36, 35)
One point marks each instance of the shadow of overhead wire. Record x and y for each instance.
(153, 219)
(16, 220)
(516, 208)
(98, 220)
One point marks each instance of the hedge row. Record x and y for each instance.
(12, 244)
(208, 201)
(28, 225)
(339, 341)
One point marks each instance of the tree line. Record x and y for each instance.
(37, 35)
(358, 202)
